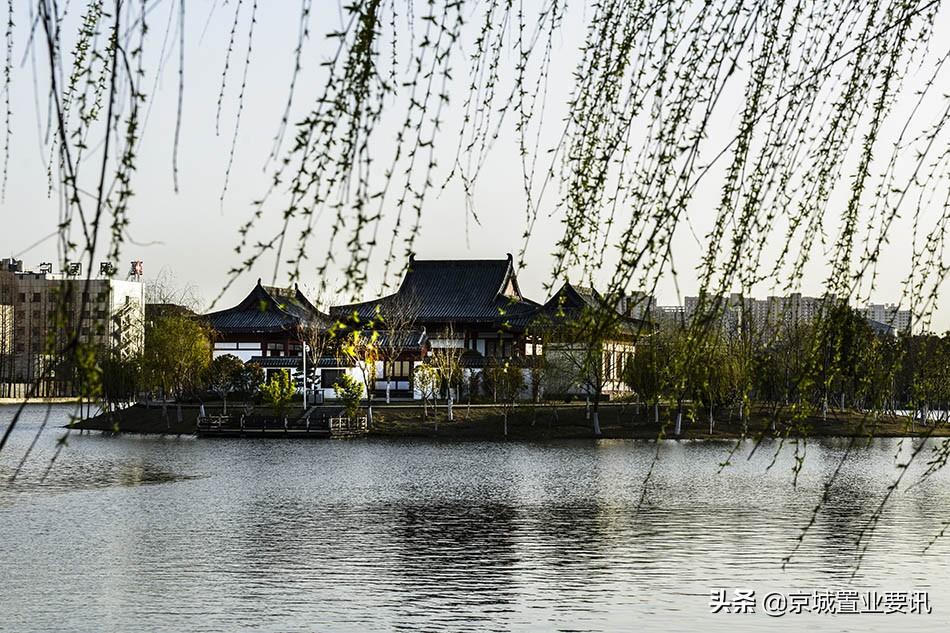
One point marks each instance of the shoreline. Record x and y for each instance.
(538, 423)
(19, 401)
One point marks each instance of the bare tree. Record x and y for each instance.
(398, 319)
(166, 289)
(447, 362)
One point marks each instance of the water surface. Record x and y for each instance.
(123, 533)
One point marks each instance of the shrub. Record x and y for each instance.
(350, 391)
(279, 391)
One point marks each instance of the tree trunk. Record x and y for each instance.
(587, 407)
(656, 412)
(388, 384)
(448, 403)
(711, 422)
(506, 423)
(369, 416)
(595, 416)
(679, 422)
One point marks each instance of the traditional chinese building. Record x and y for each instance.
(268, 327)
(474, 304)
(591, 336)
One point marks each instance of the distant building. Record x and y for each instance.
(47, 307)
(888, 314)
(765, 315)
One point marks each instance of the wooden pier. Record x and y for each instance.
(315, 424)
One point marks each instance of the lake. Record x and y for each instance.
(153, 533)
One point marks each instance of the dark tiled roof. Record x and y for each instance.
(414, 340)
(460, 291)
(571, 300)
(267, 310)
(270, 362)
(881, 328)
(328, 362)
(472, 359)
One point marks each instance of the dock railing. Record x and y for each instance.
(348, 425)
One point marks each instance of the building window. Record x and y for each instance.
(399, 369)
(330, 377)
(275, 349)
(22, 297)
(491, 347)
(36, 296)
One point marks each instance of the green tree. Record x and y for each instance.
(349, 391)
(177, 355)
(250, 379)
(225, 374)
(120, 379)
(361, 347)
(508, 382)
(279, 391)
(425, 380)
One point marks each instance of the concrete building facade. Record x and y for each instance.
(47, 308)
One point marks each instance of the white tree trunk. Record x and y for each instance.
(506, 425)
(711, 422)
(656, 412)
(679, 423)
(587, 407)
(369, 417)
(448, 404)
(388, 383)
(596, 418)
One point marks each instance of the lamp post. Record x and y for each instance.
(304, 377)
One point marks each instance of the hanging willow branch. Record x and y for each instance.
(769, 123)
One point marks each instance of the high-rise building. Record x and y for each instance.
(764, 315)
(47, 307)
(888, 314)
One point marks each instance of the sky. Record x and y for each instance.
(190, 234)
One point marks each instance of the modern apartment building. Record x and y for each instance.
(764, 315)
(40, 311)
(888, 314)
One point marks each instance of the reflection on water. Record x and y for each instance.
(382, 535)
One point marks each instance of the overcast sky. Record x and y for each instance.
(192, 234)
